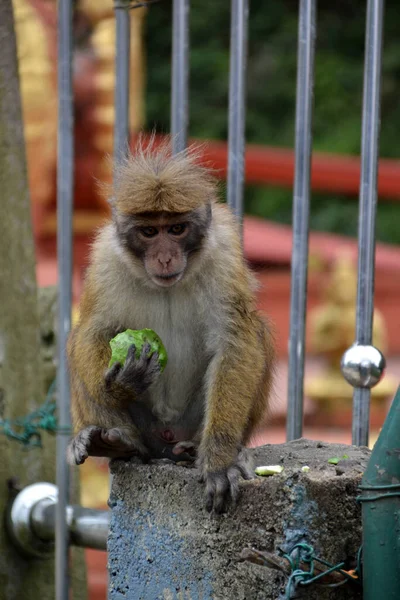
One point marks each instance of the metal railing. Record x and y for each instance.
(367, 212)
(237, 105)
(362, 364)
(180, 76)
(65, 192)
(301, 211)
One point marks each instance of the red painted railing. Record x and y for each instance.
(275, 166)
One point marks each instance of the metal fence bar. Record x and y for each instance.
(65, 191)
(180, 76)
(301, 209)
(237, 104)
(31, 522)
(122, 71)
(367, 209)
(122, 80)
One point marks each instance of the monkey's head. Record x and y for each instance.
(162, 209)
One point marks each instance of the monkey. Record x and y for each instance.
(170, 259)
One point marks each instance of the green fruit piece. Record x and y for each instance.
(268, 470)
(121, 343)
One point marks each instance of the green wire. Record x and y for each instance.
(27, 430)
(304, 553)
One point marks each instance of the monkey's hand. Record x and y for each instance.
(222, 486)
(97, 441)
(137, 374)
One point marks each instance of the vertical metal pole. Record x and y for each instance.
(301, 210)
(237, 104)
(122, 77)
(65, 191)
(180, 76)
(367, 207)
(122, 70)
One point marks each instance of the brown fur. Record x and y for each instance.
(151, 181)
(208, 322)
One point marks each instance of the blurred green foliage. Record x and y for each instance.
(271, 90)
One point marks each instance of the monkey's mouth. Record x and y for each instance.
(166, 280)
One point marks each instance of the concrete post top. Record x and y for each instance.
(164, 545)
(325, 463)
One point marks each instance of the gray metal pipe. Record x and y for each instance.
(122, 76)
(65, 191)
(180, 76)
(301, 211)
(31, 521)
(367, 206)
(237, 104)
(88, 528)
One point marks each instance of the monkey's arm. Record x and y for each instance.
(100, 397)
(238, 385)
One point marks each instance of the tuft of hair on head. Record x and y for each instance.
(152, 179)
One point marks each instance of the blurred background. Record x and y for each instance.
(271, 90)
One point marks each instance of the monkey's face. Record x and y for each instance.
(165, 243)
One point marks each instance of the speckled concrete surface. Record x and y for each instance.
(163, 545)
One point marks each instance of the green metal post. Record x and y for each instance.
(381, 512)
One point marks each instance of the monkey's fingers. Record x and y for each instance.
(153, 364)
(111, 374)
(145, 350)
(131, 354)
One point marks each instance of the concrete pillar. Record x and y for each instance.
(163, 545)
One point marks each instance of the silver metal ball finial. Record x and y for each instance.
(363, 366)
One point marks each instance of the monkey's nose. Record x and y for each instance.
(164, 260)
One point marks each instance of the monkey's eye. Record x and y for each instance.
(177, 229)
(148, 231)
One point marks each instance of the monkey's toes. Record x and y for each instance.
(111, 436)
(77, 453)
(189, 448)
(79, 448)
(219, 492)
(244, 465)
(222, 487)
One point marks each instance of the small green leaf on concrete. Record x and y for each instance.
(335, 459)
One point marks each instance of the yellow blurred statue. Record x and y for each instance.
(332, 332)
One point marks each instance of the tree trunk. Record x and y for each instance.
(21, 378)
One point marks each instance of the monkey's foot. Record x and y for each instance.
(96, 441)
(187, 448)
(222, 487)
